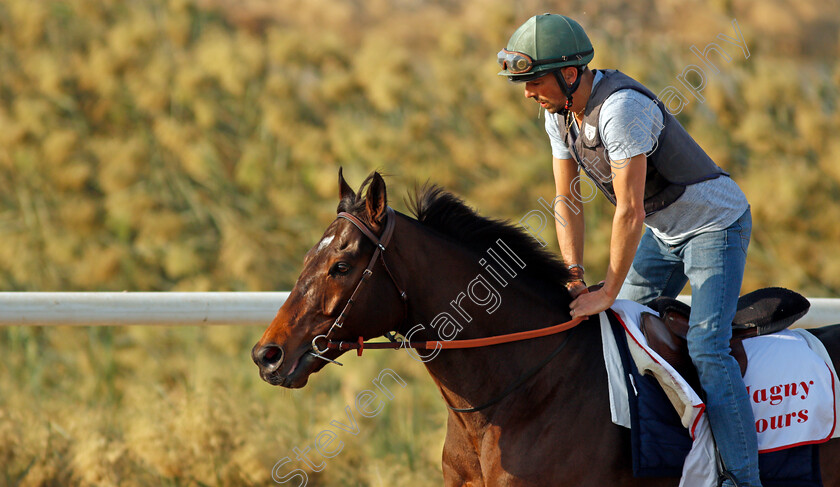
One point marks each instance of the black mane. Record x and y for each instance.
(449, 215)
(444, 212)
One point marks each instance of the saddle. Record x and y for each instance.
(760, 312)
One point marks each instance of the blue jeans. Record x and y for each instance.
(713, 262)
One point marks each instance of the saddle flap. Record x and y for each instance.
(672, 347)
(674, 313)
(668, 345)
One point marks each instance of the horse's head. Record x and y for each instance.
(332, 270)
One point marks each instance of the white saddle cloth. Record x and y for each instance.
(791, 381)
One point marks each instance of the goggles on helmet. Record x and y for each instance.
(518, 62)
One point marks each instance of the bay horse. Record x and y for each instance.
(554, 429)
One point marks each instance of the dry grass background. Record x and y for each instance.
(151, 406)
(193, 145)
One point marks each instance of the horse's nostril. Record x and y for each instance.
(269, 357)
(272, 355)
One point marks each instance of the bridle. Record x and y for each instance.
(359, 345)
(379, 253)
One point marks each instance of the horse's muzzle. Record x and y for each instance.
(268, 358)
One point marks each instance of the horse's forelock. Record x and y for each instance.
(355, 204)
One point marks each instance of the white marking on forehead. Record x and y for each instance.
(326, 241)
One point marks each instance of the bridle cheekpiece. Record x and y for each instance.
(381, 245)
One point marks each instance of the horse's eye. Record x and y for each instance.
(340, 268)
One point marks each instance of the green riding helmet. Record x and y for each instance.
(543, 44)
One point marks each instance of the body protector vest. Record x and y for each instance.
(674, 162)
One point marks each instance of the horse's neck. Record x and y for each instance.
(482, 296)
(442, 300)
(474, 377)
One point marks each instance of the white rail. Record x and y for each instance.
(165, 308)
(198, 309)
(824, 311)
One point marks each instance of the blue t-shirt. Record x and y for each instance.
(629, 124)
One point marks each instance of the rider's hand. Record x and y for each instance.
(588, 304)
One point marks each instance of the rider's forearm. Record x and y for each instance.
(570, 235)
(569, 225)
(626, 233)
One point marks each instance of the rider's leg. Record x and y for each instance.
(656, 271)
(714, 264)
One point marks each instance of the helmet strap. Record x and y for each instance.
(567, 89)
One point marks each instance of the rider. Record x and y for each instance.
(698, 219)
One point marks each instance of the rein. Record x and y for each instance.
(360, 345)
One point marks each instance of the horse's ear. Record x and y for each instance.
(377, 199)
(344, 189)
